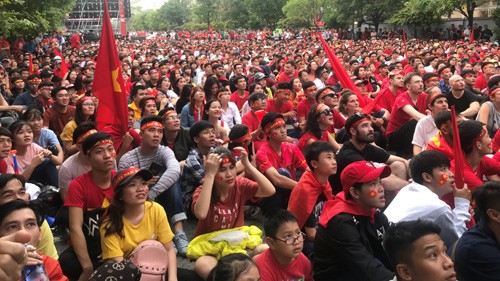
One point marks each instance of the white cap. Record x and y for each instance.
(57, 58)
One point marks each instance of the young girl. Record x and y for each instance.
(230, 113)
(213, 114)
(44, 137)
(85, 111)
(193, 111)
(235, 267)
(132, 219)
(318, 121)
(218, 203)
(32, 161)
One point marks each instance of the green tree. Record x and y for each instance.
(420, 13)
(264, 13)
(372, 12)
(301, 13)
(465, 7)
(206, 10)
(175, 13)
(236, 15)
(22, 17)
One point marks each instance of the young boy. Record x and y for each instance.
(313, 189)
(348, 243)
(257, 101)
(417, 252)
(284, 259)
(432, 179)
(203, 138)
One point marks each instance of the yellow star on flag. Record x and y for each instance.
(114, 79)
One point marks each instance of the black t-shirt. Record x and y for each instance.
(463, 102)
(349, 154)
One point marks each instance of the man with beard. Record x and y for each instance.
(360, 131)
(465, 102)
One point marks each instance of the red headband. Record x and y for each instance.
(283, 91)
(321, 106)
(241, 139)
(278, 122)
(433, 97)
(99, 143)
(151, 124)
(355, 124)
(125, 174)
(480, 137)
(494, 92)
(85, 135)
(226, 160)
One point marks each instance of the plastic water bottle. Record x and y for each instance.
(34, 272)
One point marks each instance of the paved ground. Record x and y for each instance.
(189, 228)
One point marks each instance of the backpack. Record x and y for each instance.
(151, 258)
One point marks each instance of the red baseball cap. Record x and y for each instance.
(362, 171)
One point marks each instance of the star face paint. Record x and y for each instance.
(219, 178)
(113, 154)
(443, 180)
(372, 193)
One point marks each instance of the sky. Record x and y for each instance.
(147, 4)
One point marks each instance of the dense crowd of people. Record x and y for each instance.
(354, 184)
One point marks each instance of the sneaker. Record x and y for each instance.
(253, 212)
(181, 243)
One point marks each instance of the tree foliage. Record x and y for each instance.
(172, 14)
(372, 12)
(24, 17)
(420, 13)
(465, 7)
(264, 13)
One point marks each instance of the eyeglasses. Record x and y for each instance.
(88, 104)
(291, 240)
(326, 112)
(5, 140)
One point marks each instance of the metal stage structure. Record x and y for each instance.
(87, 15)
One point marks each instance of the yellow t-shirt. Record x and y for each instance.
(46, 245)
(154, 226)
(137, 111)
(67, 133)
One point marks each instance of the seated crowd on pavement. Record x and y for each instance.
(351, 179)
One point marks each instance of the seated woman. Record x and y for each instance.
(32, 161)
(85, 111)
(319, 119)
(489, 113)
(193, 111)
(213, 114)
(42, 136)
(17, 216)
(222, 196)
(132, 219)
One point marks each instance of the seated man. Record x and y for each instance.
(432, 179)
(257, 102)
(348, 243)
(426, 127)
(477, 252)
(17, 216)
(417, 252)
(465, 101)
(359, 147)
(88, 196)
(203, 139)
(313, 189)
(279, 161)
(283, 261)
(409, 107)
(443, 140)
(60, 113)
(164, 187)
(174, 136)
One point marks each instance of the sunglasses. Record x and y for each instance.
(332, 95)
(326, 112)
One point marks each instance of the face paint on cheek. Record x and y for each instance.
(372, 193)
(219, 178)
(113, 154)
(490, 145)
(275, 134)
(443, 179)
(323, 118)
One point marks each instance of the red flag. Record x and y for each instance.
(471, 38)
(64, 66)
(405, 45)
(342, 75)
(108, 84)
(457, 150)
(31, 69)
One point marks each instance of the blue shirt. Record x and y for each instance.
(47, 137)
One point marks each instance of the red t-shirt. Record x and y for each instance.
(398, 116)
(272, 107)
(283, 77)
(56, 121)
(474, 179)
(481, 83)
(386, 99)
(386, 82)
(291, 158)
(84, 193)
(307, 136)
(53, 269)
(253, 124)
(303, 108)
(75, 41)
(3, 166)
(270, 270)
(239, 101)
(230, 213)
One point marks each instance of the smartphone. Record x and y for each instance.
(157, 169)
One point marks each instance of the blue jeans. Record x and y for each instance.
(171, 200)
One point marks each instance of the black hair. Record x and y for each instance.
(150, 118)
(135, 89)
(399, 239)
(5, 178)
(256, 96)
(18, 204)
(468, 131)
(425, 162)
(207, 107)
(307, 85)
(16, 126)
(357, 186)
(230, 267)
(197, 128)
(237, 131)
(493, 81)
(312, 123)
(239, 77)
(251, 88)
(143, 102)
(32, 113)
(276, 219)
(320, 91)
(314, 150)
(91, 140)
(209, 83)
(82, 128)
(487, 196)
(269, 118)
(184, 97)
(442, 118)
(6, 132)
(56, 90)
